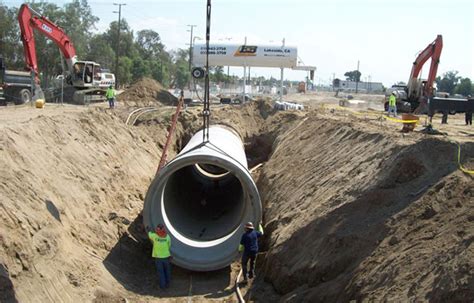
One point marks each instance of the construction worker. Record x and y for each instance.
(161, 253)
(444, 118)
(110, 95)
(249, 246)
(469, 112)
(392, 104)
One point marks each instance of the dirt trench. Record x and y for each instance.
(338, 196)
(352, 209)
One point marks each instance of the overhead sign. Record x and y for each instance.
(246, 55)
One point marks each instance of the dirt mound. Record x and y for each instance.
(146, 92)
(67, 184)
(359, 215)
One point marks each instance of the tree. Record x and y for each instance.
(127, 45)
(125, 70)
(159, 72)
(448, 82)
(180, 68)
(464, 87)
(149, 44)
(353, 75)
(182, 76)
(218, 74)
(100, 51)
(78, 22)
(140, 68)
(11, 48)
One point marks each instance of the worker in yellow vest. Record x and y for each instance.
(110, 95)
(161, 253)
(392, 104)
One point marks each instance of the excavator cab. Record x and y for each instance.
(85, 74)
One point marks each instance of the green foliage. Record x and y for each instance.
(182, 75)
(160, 72)
(100, 51)
(353, 75)
(125, 70)
(11, 48)
(127, 44)
(218, 75)
(447, 82)
(140, 68)
(77, 21)
(464, 87)
(149, 44)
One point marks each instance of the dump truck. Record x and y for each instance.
(15, 86)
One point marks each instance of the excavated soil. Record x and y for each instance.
(353, 209)
(360, 215)
(146, 92)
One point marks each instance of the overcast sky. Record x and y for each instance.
(384, 35)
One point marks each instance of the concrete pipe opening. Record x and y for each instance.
(203, 207)
(204, 197)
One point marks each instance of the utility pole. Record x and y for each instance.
(118, 42)
(191, 44)
(357, 77)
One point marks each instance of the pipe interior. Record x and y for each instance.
(204, 202)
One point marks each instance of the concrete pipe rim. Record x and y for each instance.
(233, 168)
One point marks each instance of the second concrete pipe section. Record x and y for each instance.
(204, 197)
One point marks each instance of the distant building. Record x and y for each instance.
(361, 86)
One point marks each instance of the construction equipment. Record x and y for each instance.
(419, 96)
(410, 96)
(15, 86)
(86, 82)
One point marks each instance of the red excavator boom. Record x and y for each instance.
(29, 20)
(433, 51)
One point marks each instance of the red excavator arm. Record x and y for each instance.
(29, 20)
(433, 51)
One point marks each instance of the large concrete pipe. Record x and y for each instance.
(203, 197)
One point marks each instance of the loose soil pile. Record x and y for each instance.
(359, 214)
(69, 184)
(146, 92)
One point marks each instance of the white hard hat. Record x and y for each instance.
(249, 225)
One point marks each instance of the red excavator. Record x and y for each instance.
(419, 95)
(410, 96)
(86, 80)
